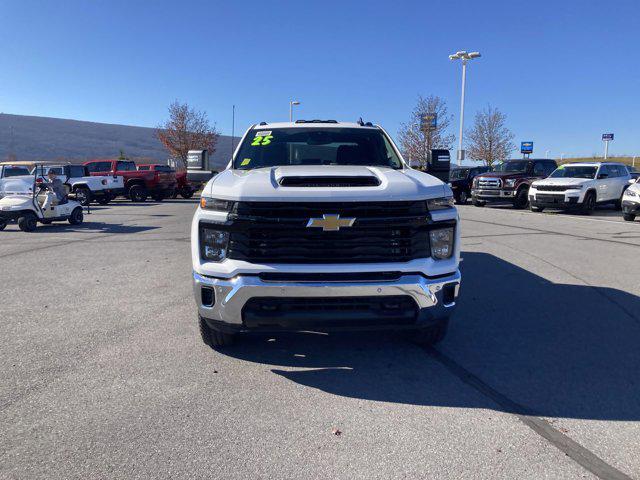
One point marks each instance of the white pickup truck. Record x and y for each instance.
(8, 172)
(321, 226)
(101, 189)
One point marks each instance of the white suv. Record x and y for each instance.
(631, 202)
(580, 186)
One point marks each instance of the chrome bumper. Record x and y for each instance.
(232, 294)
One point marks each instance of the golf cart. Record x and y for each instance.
(29, 202)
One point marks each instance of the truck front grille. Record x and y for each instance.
(267, 232)
(489, 183)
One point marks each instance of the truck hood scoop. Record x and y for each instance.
(326, 177)
(330, 181)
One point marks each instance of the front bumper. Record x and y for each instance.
(435, 298)
(555, 201)
(630, 207)
(493, 195)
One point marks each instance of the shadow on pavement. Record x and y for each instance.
(97, 227)
(560, 350)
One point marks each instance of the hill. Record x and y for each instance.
(44, 138)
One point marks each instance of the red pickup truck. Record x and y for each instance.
(138, 184)
(183, 186)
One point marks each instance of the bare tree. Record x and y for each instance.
(187, 129)
(417, 138)
(489, 140)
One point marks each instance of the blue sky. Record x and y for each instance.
(564, 72)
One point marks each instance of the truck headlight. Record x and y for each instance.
(209, 203)
(213, 244)
(510, 182)
(630, 193)
(441, 243)
(441, 203)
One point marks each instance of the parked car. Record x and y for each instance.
(460, 180)
(631, 201)
(87, 188)
(634, 172)
(8, 170)
(183, 186)
(301, 233)
(580, 186)
(138, 184)
(509, 182)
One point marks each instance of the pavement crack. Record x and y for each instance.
(579, 454)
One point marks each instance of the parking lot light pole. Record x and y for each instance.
(291, 104)
(464, 57)
(546, 153)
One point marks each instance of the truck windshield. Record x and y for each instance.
(513, 166)
(575, 172)
(459, 174)
(315, 146)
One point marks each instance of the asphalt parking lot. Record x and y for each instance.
(104, 374)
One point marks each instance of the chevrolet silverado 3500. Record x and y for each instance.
(322, 226)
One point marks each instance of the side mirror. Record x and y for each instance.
(633, 180)
(603, 175)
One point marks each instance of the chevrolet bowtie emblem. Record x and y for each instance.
(330, 222)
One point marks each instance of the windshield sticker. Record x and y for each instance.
(261, 141)
(245, 162)
(263, 133)
(560, 167)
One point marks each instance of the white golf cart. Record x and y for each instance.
(29, 202)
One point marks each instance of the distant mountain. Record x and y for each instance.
(44, 138)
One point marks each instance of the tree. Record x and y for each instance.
(489, 139)
(187, 129)
(416, 142)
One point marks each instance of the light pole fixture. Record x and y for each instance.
(291, 104)
(464, 57)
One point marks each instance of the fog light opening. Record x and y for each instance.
(208, 296)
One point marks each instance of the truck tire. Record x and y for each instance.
(186, 193)
(522, 198)
(138, 193)
(629, 217)
(3, 224)
(478, 203)
(536, 209)
(83, 195)
(28, 222)
(77, 216)
(461, 199)
(214, 338)
(589, 203)
(103, 199)
(432, 334)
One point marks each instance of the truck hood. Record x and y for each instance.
(562, 181)
(277, 183)
(503, 175)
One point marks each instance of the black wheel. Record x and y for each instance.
(432, 334)
(536, 209)
(629, 217)
(138, 193)
(521, 199)
(214, 338)
(103, 199)
(158, 197)
(76, 216)
(3, 224)
(28, 222)
(186, 193)
(589, 203)
(83, 196)
(174, 194)
(462, 198)
(478, 203)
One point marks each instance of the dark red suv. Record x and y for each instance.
(510, 181)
